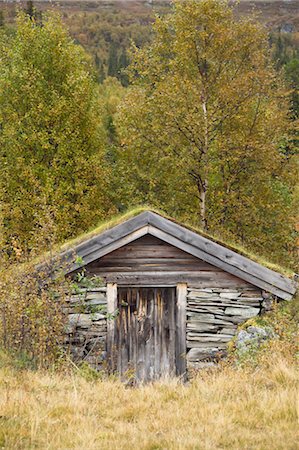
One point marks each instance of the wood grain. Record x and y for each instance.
(153, 262)
(111, 308)
(181, 348)
(146, 333)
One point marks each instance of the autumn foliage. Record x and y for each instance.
(52, 138)
(204, 125)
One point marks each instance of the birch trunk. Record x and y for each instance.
(204, 184)
(202, 198)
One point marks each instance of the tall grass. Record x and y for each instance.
(225, 409)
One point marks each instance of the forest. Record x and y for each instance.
(191, 109)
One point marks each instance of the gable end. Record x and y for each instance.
(186, 240)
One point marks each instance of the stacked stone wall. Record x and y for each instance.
(213, 316)
(86, 328)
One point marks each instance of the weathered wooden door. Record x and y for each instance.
(145, 332)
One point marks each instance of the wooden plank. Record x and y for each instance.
(111, 308)
(148, 334)
(165, 251)
(133, 331)
(171, 303)
(181, 349)
(149, 267)
(285, 292)
(119, 262)
(127, 261)
(164, 343)
(197, 279)
(221, 253)
(157, 334)
(140, 335)
(98, 251)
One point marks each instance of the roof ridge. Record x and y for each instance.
(196, 243)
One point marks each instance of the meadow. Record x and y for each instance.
(228, 408)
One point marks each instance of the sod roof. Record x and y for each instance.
(127, 227)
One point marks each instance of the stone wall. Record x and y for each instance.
(87, 326)
(213, 316)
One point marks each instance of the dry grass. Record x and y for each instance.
(227, 409)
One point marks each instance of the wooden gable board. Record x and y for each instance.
(188, 241)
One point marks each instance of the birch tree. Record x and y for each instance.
(206, 97)
(52, 141)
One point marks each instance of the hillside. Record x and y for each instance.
(106, 29)
(273, 12)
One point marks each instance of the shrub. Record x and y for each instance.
(31, 312)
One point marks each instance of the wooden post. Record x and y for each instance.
(181, 348)
(111, 308)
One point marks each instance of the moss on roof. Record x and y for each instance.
(120, 218)
(107, 225)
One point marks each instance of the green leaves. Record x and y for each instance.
(202, 125)
(52, 139)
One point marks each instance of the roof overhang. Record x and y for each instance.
(193, 243)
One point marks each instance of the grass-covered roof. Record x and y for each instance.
(120, 218)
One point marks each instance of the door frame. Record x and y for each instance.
(181, 344)
(111, 294)
(181, 335)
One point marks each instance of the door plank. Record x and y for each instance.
(172, 331)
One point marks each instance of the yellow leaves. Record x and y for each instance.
(51, 132)
(202, 54)
(16, 249)
(32, 318)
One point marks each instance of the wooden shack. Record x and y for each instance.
(174, 297)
